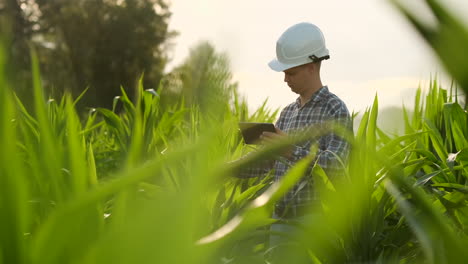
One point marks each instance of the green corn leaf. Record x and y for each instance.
(115, 123)
(15, 215)
(77, 151)
(452, 186)
(51, 230)
(437, 239)
(427, 155)
(424, 179)
(49, 148)
(321, 180)
(396, 142)
(449, 32)
(258, 213)
(459, 137)
(361, 132)
(436, 140)
(372, 125)
(93, 179)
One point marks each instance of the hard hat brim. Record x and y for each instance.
(279, 67)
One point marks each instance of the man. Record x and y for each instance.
(300, 51)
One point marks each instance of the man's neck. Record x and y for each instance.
(310, 92)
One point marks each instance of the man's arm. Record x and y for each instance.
(333, 149)
(260, 168)
(330, 156)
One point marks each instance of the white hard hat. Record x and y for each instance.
(300, 44)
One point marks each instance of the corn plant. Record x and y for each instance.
(146, 182)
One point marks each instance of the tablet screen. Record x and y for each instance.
(251, 132)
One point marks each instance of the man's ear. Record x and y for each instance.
(315, 67)
(311, 67)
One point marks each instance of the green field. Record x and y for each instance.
(147, 182)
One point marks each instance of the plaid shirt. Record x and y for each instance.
(322, 107)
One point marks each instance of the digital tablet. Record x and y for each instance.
(251, 132)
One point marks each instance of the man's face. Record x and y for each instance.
(298, 78)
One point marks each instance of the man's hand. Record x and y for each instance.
(269, 138)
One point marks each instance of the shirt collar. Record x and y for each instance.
(316, 97)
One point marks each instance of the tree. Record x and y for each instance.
(15, 31)
(100, 44)
(203, 79)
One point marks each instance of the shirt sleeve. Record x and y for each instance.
(264, 166)
(258, 169)
(333, 150)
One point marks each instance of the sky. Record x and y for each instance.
(372, 47)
